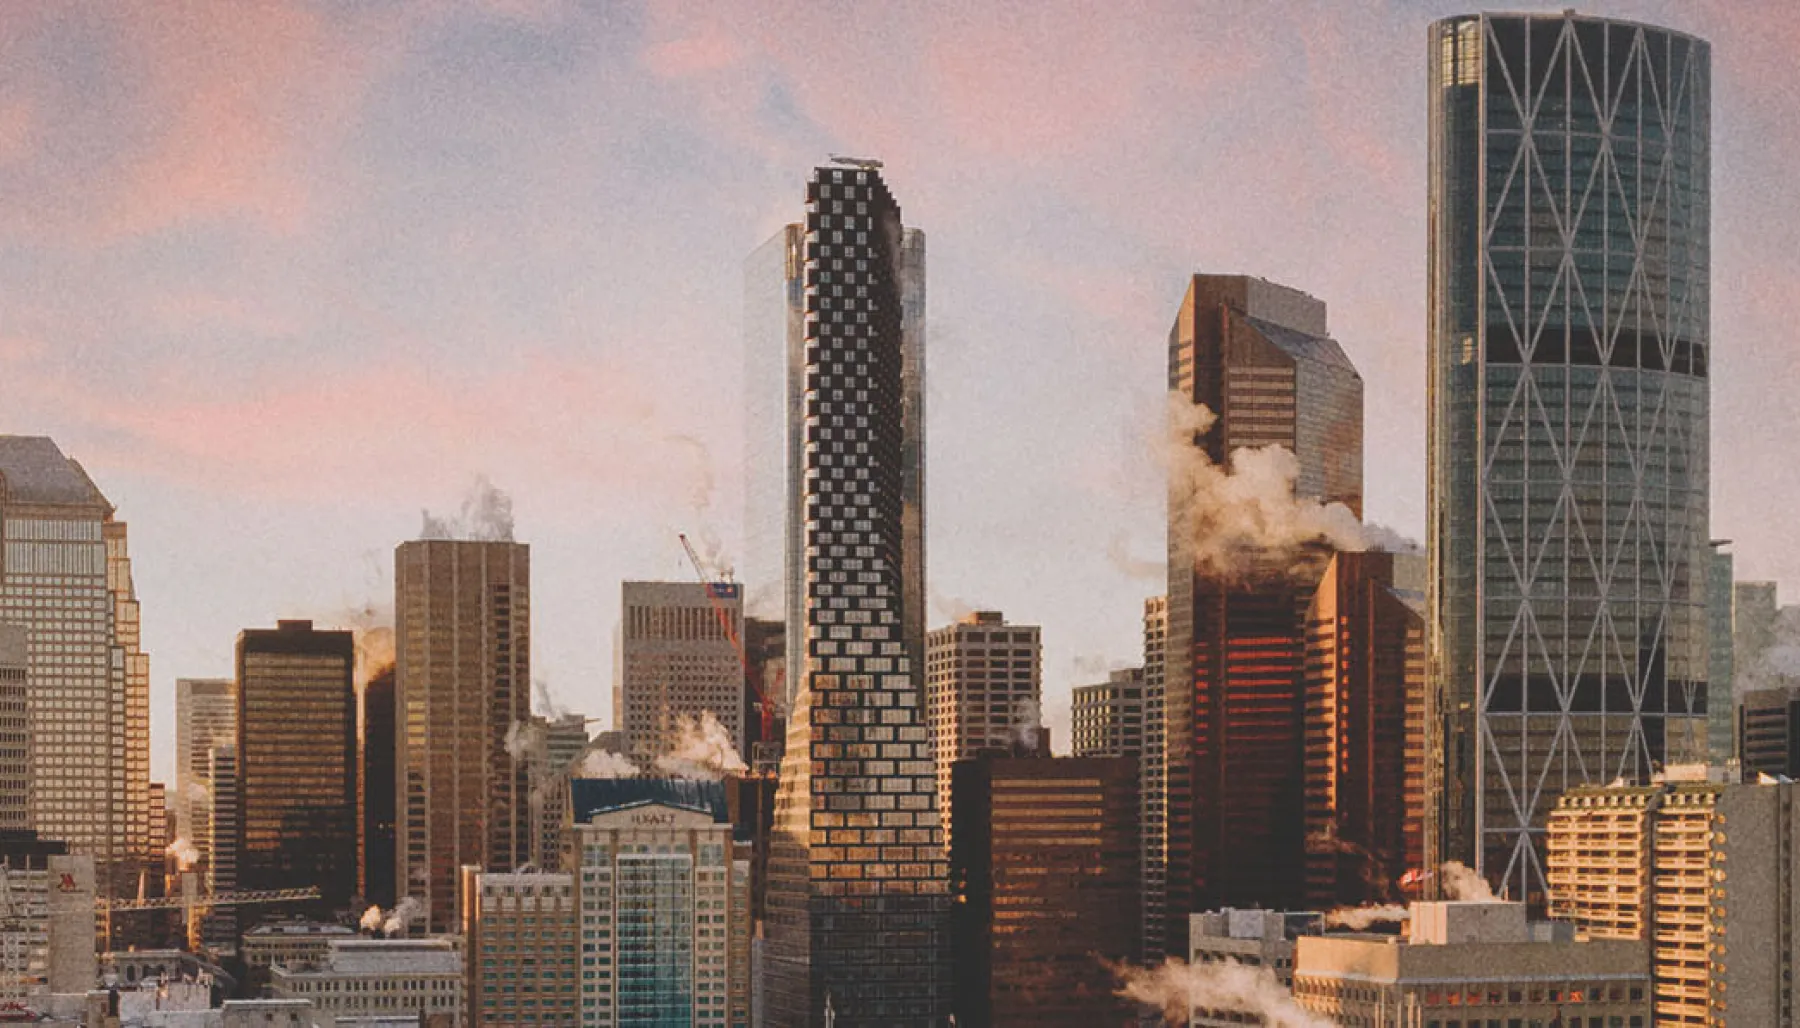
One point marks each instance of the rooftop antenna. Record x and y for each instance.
(868, 163)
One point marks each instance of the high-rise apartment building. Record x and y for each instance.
(1704, 873)
(664, 900)
(1153, 780)
(1044, 864)
(205, 719)
(1259, 358)
(1365, 734)
(857, 894)
(983, 690)
(1107, 720)
(15, 735)
(462, 682)
(378, 789)
(520, 933)
(680, 660)
(1568, 415)
(296, 758)
(66, 576)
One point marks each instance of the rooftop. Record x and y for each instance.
(591, 796)
(34, 470)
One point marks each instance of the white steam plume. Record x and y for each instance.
(545, 703)
(598, 763)
(186, 856)
(401, 916)
(1359, 919)
(1462, 884)
(525, 740)
(1178, 989)
(703, 750)
(372, 919)
(1028, 722)
(486, 516)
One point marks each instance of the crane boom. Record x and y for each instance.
(249, 897)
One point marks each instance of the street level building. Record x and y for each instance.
(1700, 871)
(1107, 720)
(680, 662)
(983, 686)
(1251, 938)
(1044, 868)
(46, 926)
(857, 895)
(1471, 964)
(1568, 400)
(520, 929)
(418, 979)
(462, 681)
(66, 577)
(293, 943)
(296, 756)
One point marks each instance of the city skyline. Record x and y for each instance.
(251, 260)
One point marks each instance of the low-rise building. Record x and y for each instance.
(1253, 938)
(1472, 964)
(1107, 720)
(372, 978)
(291, 942)
(520, 930)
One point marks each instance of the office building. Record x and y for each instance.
(296, 761)
(520, 931)
(983, 690)
(1152, 781)
(1364, 731)
(1107, 720)
(462, 680)
(1769, 731)
(857, 894)
(1251, 938)
(379, 978)
(1044, 864)
(67, 579)
(1259, 357)
(1721, 676)
(1472, 963)
(379, 742)
(46, 944)
(1568, 416)
(222, 846)
(205, 719)
(556, 744)
(681, 661)
(664, 899)
(765, 682)
(1702, 871)
(15, 736)
(293, 943)
(1755, 614)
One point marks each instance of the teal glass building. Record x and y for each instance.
(1569, 356)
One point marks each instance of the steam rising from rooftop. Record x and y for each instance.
(703, 750)
(486, 516)
(1177, 989)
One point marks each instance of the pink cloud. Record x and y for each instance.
(693, 55)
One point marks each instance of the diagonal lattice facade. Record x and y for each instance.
(1569, 408)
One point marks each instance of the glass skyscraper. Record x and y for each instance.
(857, 885)
(1568, 416)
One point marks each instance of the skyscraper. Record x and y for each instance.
(378, 789)
(1721, 687)
(680, 660)
(983, 686)
(66, 576)
(857, 894)
(1259, 358)
(1569, 350)
(1107, 720)
(296, 758)
(1153, 780)
(15, 738)
(205, 718)
(462, 681)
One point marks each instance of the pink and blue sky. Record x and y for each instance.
(281, 274)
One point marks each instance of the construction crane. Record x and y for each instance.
(765, 710)
(194, 904)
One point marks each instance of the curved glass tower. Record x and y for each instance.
(1568, 425)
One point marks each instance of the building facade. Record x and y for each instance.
(857, 894)
(1769, 731)
(296, 757)
(222, 846)
(65, 575)
(205, 718)
(1107, 720)
(1248, 938)
(1153, 781)
(46, 945)
(680, 659)
(1721, 674)
(1471, 963)
(462, 681)
(1364, 731)
(379, 788)
(520, 932)
(1258, 357)
(15, 730)
(664, 897)
(419, 979)
(983, 690)
(1703, 872)
(1568, 415)
(557, 745)
(1044, 865)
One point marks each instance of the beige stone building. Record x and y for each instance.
(1472, 965)
(983, 686)
(370, 978)
(1701, 871)
(679, 660)
(520, 932)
